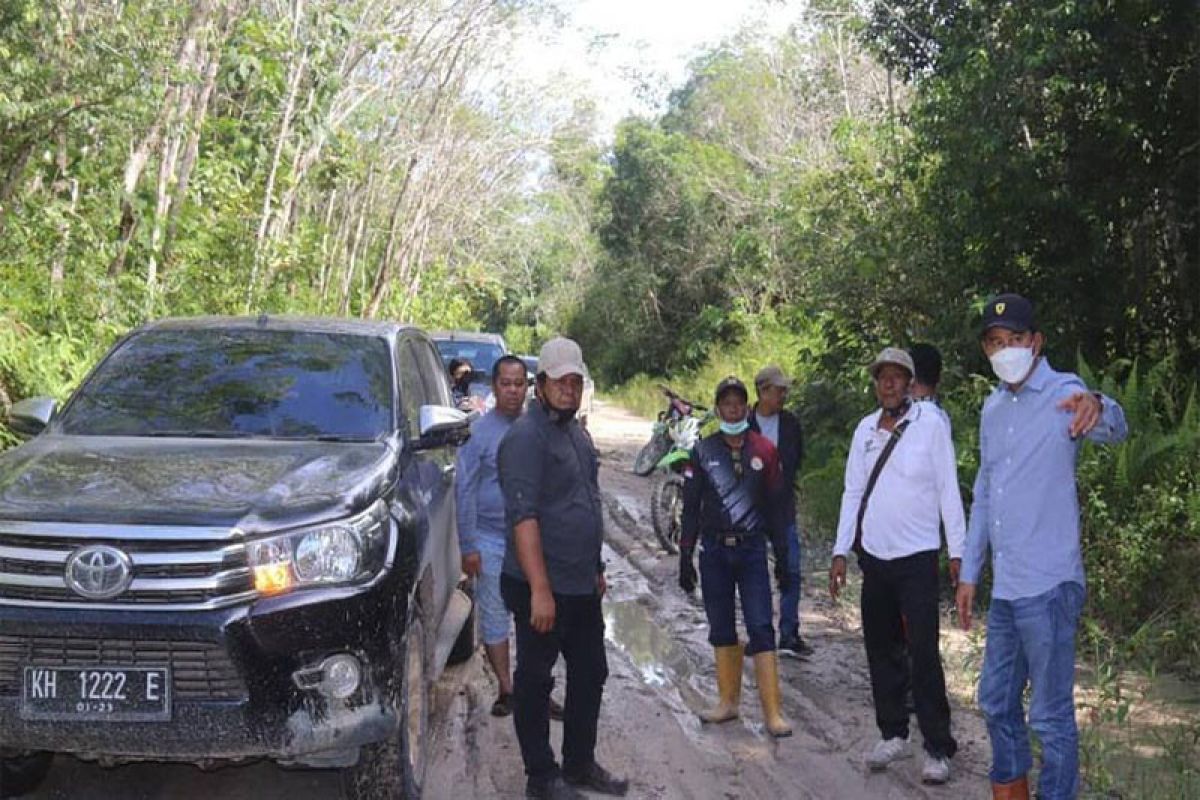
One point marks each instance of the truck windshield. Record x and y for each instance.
(238, 383)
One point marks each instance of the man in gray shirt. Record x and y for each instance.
(553, 578)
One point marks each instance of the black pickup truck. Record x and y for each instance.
(235, 541)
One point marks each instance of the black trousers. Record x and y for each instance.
(895, 592)
(578, 634)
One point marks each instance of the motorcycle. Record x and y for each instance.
(669, 451)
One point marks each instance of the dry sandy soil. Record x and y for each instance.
(661, 674)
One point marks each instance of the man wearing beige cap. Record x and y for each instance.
(553, 578)
(769, 418)
(900, 483)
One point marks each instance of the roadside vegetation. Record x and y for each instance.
(868, 178)
(866, 182)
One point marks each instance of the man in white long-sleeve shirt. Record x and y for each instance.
(891, 523)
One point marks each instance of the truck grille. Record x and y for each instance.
(199, 670)
(172, 568)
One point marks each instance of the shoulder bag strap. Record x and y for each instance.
(862, 505)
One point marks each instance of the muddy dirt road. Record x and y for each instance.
(661, 673)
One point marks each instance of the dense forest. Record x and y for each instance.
(868, 178)
(871, 179)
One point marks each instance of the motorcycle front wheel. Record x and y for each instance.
(666, 512)
(650, 454)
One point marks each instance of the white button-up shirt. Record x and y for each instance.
(917, 488)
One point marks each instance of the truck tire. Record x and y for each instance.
(21, 774)
(468, 638)
(395, 767)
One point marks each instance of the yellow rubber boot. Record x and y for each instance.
(729, 684)
(766, 672)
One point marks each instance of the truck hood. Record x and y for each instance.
(252, 484)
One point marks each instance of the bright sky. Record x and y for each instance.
(629, 54)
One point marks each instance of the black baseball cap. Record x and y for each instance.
(1009, 311)
(732, 384)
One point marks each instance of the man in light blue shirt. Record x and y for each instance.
(482, 529)
(1026, 510)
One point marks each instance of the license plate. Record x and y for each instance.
(111, 694)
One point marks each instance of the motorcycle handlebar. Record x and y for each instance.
(674, 397)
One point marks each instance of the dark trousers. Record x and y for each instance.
(906, 588)
(728, 571)
(578, 634)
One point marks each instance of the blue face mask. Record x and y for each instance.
(734, 428)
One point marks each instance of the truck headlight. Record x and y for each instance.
(347, 551)
(328, 555)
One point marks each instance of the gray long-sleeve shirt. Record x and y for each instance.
(549, 472)
(478, 498)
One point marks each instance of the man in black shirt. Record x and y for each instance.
(769, 418)
(553, 579)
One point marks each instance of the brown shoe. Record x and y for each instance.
(1013, 790)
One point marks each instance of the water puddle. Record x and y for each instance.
(653, 650)
(659, 657)
(661, 639)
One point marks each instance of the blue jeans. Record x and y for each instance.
(1032, 640)
(789, 597)
(739, 569)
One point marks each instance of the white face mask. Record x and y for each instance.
(1012, 364)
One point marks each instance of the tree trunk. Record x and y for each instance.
(140, 154)
(196, 129)
(356, 248)
(383, 271)
(325, 267)
(296, 74)
(66, 191)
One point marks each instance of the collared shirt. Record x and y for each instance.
(479, 502)
(917, 487)
(1025, 504)
(549, 472)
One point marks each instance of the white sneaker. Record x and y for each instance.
(936, 770)
(886, 751)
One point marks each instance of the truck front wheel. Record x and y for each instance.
(21, 773)
(395, 767)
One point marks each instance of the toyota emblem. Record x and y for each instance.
(99, 572)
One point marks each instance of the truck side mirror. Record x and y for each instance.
(30, 416)
(442, 426)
